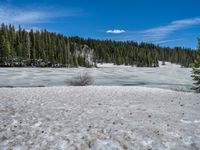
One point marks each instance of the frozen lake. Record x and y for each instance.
(169, 76)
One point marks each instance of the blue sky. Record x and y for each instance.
(163, 22)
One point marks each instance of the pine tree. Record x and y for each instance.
(11, 37)
(196, 70)
(1, 49)
(27, 47)
(6, 48)
(32, 47)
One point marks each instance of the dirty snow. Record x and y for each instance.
(98, 118)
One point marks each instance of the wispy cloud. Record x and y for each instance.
(159, 35)
(115, 31)
(15, 15)
(160, 42)
(162, 32)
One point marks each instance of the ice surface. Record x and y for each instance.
(98, 118)
(170, 76)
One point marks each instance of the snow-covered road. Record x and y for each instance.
(98, 118)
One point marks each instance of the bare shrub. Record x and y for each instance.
(82, 80)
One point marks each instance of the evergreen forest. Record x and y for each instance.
(22, 48)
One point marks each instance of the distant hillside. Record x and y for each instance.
(20, 48)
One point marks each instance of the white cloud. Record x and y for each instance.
(14, 15)
(115, 31)
(163, 31)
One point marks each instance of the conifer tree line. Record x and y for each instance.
(141, 55)
(19, 48)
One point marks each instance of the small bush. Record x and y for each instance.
(82, 80)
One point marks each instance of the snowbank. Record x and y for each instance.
(98, 118)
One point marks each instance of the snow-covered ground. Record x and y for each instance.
(98, 118)
(169, 77)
